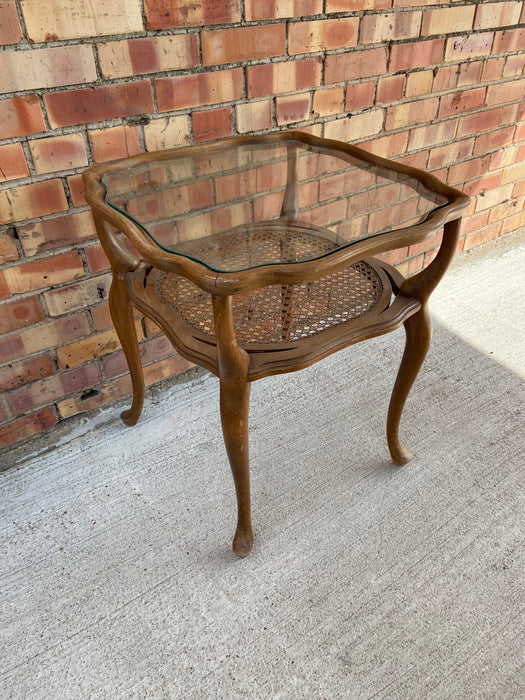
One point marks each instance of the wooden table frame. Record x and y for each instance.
(237, 366)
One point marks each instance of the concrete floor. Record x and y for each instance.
(367, 581)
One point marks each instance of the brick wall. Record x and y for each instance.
(439, 85)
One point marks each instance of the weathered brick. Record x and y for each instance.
(391, 146)
(150, 351)
(469, 169)
(242, 44)
(45, 68)
(360, 95)
(115, 142)
(82, 18)
(253, 116)
(355, 65)
(448, 20)
(390, 88)
(433, 134)
(411, 113)
(42, 236)
(119, 59)
(480, 121)
(461, 101)
(17, 374)
(354, 5)
(10, 30)
(514, 223)
(485, 235)
(492, 69)
(493, 140)
(469, 73)
(509, 40)
(167, 132)
(391, 26)
(168, 14)
(58, 153)
(288, 76)
(183, 91)
(410, 3)
(492, 196)
(322, 35)
(419, 83)
(21, 313)
(96, 345)
(513, 173)
(77, 187)
(77, 296)
(104, 394)
(25, 427)
(513, 113)
(292, 108)
(43, 337)
(514, 66)
(48, 390)
(96, 258)
(12, 162)
(84, 105)
(212, 124)
(513, 91)
(509, 155)
(449, 154)
(359, 126)
(279, 9)
(8, 249)
(445, 78)
(420, 54)
(497, 14)
(460, 48)
(30, 276)
(329, 101)
(20, 116)
(30, 201)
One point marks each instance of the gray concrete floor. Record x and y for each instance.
(367, 581)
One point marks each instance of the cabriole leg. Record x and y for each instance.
(418, 329)
(121, 311)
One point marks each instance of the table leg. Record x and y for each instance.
(121, 311)
(418, 329)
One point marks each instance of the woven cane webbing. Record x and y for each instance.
(280, 313)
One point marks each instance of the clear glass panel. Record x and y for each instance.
(260, 204)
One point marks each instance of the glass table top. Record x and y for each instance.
(247, 205)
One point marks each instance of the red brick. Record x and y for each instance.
(25, 427)
(212, 124)
(451, 153)
(96, 258)
(254, 116)
(510, 207)
(77, 296)
(512, 91)
(492, 69)
(497, 14)
(104, 394)
(461, 101)
(420, 54)
(460, 48)
(391, 26)
(493, 140)
(505, 157)
(154, 54)
(46, 68)
(58, 153)
(96, 345)
(19, 314)
(514, 66)
(411, 113)
(43, 337)
(478, 122)
(20, 116)
(354, 5)
(30, 201)
(447, 20)
(322, 35)
(469, 73)
(513, 113)
(509, 40)
(461, 172)
(390, 88)
(98, 103)
(115, 142)
(292, 108)
(77, 187)
(288, 76)
(388, 146)
(12, 162)
(30, 276)
(356, 127)
(242, 44)
(485, 235)
(256, 10)
(514, 223)
(513, 173)
(42, 236)
(355, 65)
(150, 351)
(10, 30)
(167, 132)
(168, 14)
(490, 194)
(431, 135)
(328, 101)
(200, 89)
(8, 250)
(360, 95)
(445, 78)
(69, 20)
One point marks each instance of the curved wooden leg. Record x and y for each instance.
(235, 398)
(418, 329)
(121, 311)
